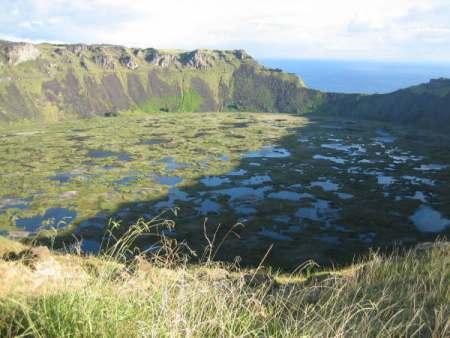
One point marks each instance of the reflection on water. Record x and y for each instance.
(325, 185)
(334, 159)
(126, 181)
(13, 203)
(90, 246)
(384, 136)
(274, 234)
(168, 180)
(321, 210)
(385, 180)
(432, 167)
(256, 180)
(173, 196)
(419, 180)
(352, 149)
(155, 141)
(62, 177)
(288, 195)
(214, 181)
(240, 172)
(269, 152)
(427, 219)
(209, 207)
(420, 196)
(243, 193)
(98, 153)
(52, 218)
(344, 196)
(172, 164)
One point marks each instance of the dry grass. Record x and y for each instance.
(397, 295)
(7, 246)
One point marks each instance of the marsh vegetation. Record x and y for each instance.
(318, 189)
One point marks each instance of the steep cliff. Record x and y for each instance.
(51, 82)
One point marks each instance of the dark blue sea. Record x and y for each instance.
(360, 76)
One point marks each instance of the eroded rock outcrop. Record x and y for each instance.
(163, 60)
(128, 61)
(16, 53)
(78, 48)
(241, 54)
(105, 61)
(198, 59)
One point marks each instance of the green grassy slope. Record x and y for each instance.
(426, 105)
(52, 82)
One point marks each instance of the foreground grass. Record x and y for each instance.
(399, 295)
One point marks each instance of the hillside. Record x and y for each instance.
(52, 82)
(425, 105)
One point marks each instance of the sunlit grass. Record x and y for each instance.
(160, 295)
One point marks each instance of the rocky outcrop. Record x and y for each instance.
(241, 54)
(148, 54)
(128, 61)
(162, 60)
(104, 61)
(198, 59)
(16, 53)
(78, 48)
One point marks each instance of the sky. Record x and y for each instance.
(394, 30)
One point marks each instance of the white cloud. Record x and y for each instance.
(395, 29)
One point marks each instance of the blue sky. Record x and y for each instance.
(399, 30)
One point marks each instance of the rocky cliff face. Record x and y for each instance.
(52, 82)
(15, 53)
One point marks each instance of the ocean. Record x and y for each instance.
(360, 76)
